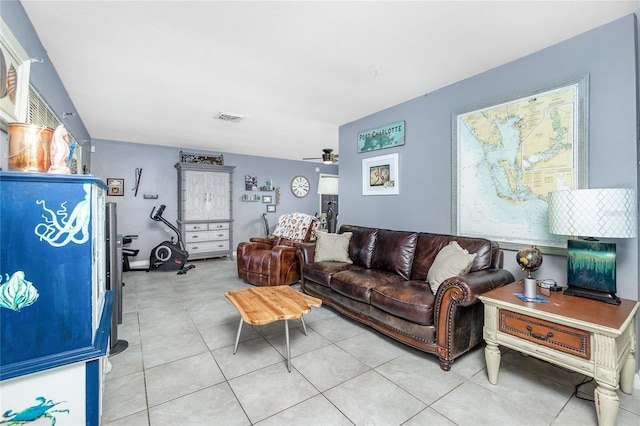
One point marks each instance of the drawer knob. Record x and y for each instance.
(539, 336)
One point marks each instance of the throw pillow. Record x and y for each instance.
(333, 247)
(450, 261)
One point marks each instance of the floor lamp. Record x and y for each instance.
(328, 185)
(588, 213)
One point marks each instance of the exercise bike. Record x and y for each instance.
(168, 256)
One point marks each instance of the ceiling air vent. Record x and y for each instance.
(226, 116)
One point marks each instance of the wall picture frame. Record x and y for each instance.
(271, 208)
(250, 183)
(14, 81)
(267, 199)
(509, 154)
(115, 187)
(380, 175)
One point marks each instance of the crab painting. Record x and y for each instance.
(33, 413)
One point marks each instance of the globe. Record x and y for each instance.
(529, 259)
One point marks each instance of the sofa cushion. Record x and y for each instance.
(429, 245)
(321, 272)
(362, 244)
(357, 283)
(410, 300)
(452, 260)
(394, 252)
(333, 247)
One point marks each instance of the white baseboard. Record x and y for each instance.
(139, 264)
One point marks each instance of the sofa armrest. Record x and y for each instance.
(459, 314)
(306, 252)
(465, 289)
(249, 246)
(261, 240)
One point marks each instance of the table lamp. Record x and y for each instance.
(584, 214)
(328, 185)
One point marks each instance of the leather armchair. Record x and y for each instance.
(274, 261)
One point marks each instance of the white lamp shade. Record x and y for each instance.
(328, 185)
(608, 212)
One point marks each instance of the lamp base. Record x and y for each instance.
(587, 293)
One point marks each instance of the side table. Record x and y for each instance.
(583, 335)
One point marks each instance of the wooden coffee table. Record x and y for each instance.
(264, 305)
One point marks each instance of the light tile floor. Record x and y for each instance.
(179, 369)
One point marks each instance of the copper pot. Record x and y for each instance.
(29, 147)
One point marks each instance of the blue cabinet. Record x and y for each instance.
(55, 313)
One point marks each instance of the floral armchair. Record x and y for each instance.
(274, 261)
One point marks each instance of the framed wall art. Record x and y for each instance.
(382, 137)
(380, 175)
(510, 154)
(250, 183)
(267, 199)
(115, 187)
(14, 77)
(271, 208)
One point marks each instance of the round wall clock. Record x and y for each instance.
(300, 186)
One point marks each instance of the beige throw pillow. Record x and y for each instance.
(450, 261)
(333, 247)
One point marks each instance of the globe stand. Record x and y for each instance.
(530, 288)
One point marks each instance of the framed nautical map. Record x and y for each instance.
(510, 154)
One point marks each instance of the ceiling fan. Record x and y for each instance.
(327, 158)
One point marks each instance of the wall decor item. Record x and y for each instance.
(14, 77)
(116, 187)
(268, 186)
(267, 199)
(300, 186)
(383, 137)
(253, 197)
(190, 157)
(250, 183)
(380, 175)
(271, 208)
(510, 154)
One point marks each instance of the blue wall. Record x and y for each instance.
(607, 54)
(114, 159)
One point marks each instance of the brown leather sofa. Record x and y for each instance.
(385, 287)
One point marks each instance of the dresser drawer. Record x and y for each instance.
(207, 236)
(196, 227)
(203, 246)
(556, 336)
(217, 226)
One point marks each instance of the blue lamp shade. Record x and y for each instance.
(588, 213)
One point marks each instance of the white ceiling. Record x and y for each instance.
(157, 72)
